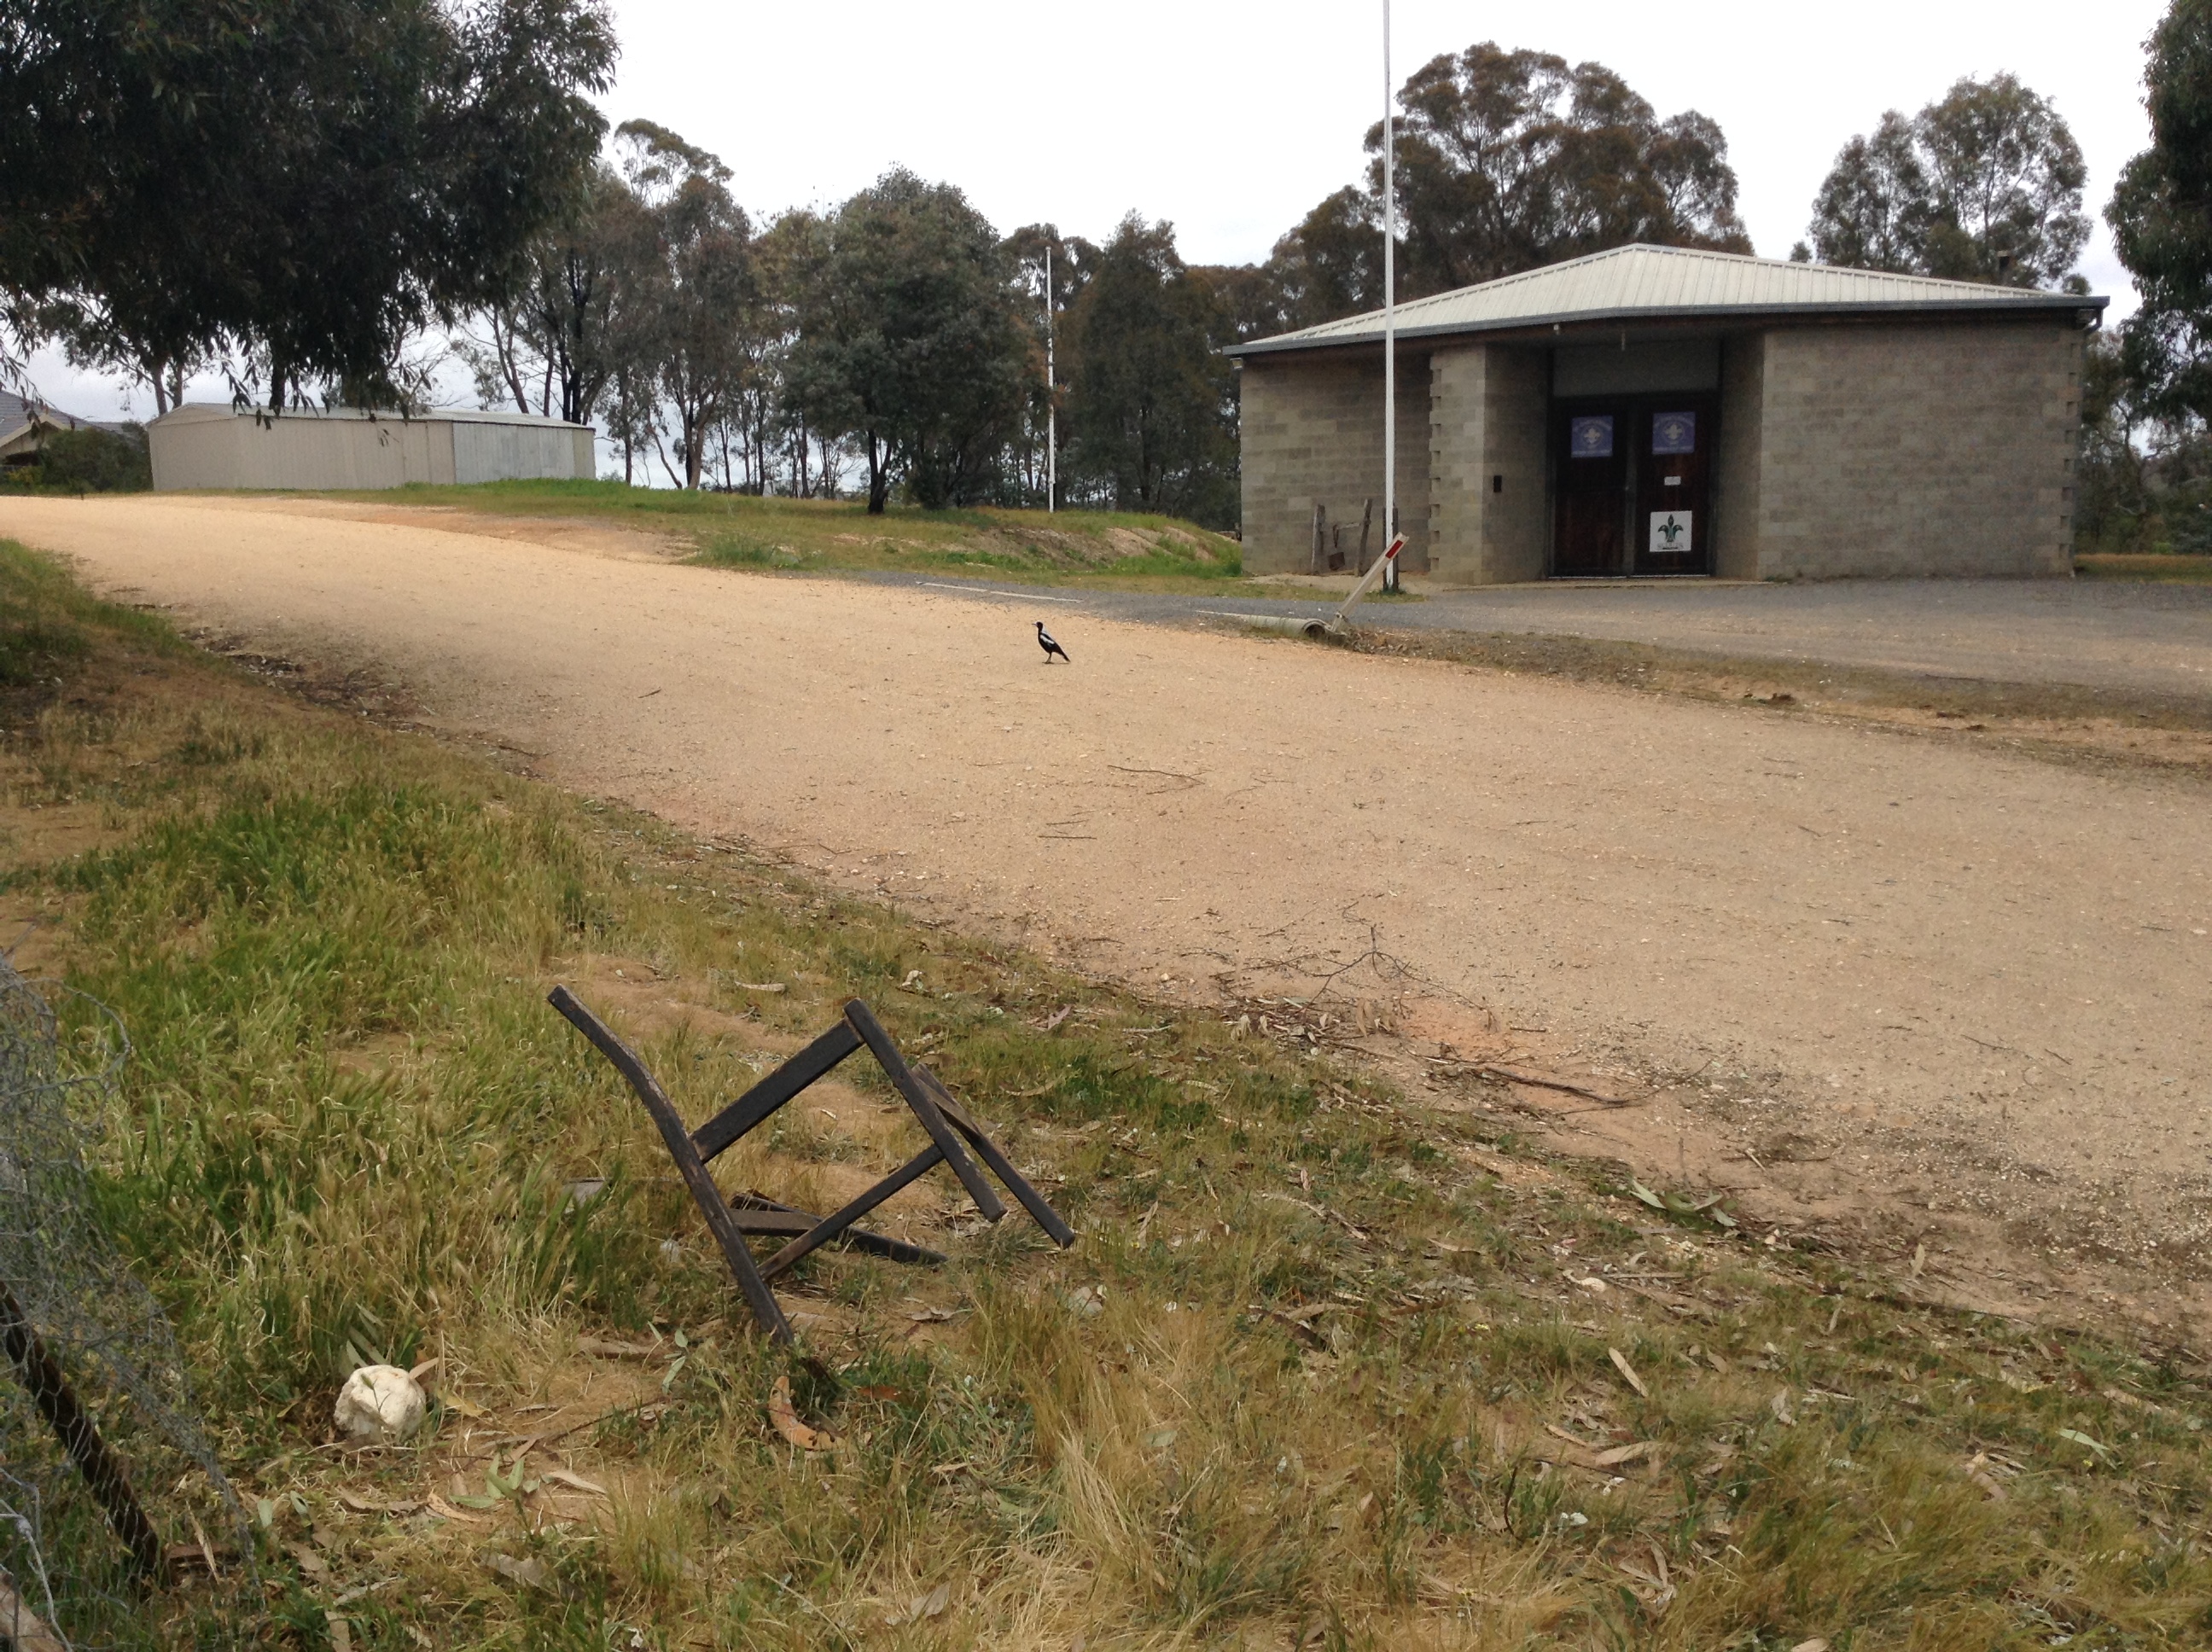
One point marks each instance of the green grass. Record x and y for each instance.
(1100, 549)
(2164, 567)
(48, 621)
(1295, 1380)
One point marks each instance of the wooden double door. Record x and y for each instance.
(1633, 485)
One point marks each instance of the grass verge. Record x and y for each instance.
(2165, 568)
(1100, 550)
(1326, 1369)
(2066, 721)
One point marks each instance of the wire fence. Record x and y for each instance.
(118, 1528)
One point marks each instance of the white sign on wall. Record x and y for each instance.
(1670, 532)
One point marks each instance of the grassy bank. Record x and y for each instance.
(2104, 726)
(2168, 569)
(1102, 549)
(1327, 1368)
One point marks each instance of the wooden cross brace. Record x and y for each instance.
(944, 1119)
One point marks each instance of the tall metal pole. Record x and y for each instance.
(1389, 296)
(1385, 569)
(1051, 396)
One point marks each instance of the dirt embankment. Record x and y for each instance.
(1931, 995)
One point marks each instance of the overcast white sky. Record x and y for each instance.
(1232, 118)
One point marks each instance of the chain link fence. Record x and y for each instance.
(118, 1528)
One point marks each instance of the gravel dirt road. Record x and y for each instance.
(1932, 994)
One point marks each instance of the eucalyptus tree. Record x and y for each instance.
(2162, 219)
(554, 347)
(695, 302)
(794, 251)
(909, 342)
(1331, 264)
(1507, 161)
(308, 183)
(1982, 184)
(1152, 402)
(1510, 159)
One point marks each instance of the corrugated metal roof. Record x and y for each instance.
(1651, 283)
(200, 412)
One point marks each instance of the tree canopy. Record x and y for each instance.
(1508, 160)
(907, 338)
(1331, 264)
(305, 183)
(1153, 402)
(1982, 184)
(692, 300)
(2161, 219)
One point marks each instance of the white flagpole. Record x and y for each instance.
(1389, 296)
(1395, 541)
(1051, 411)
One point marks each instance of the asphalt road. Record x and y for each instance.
(2139, 637)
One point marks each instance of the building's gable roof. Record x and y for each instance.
(18, 415)
(1643, 282)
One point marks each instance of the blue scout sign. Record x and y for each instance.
(1591, 437)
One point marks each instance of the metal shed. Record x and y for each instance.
(1657, 411)
(201, 445)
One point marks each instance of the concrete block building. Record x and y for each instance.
(1654, 410)
(201, 445)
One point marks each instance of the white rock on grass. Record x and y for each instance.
(380, 1404)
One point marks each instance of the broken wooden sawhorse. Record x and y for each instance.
(942, 1117)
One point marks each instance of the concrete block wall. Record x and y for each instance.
(1905, 449)
(1935, 449)
(1735, 475)
(1488, 515)
(1312, 431)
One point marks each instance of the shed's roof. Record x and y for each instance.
(202, 412)
(1639, 282)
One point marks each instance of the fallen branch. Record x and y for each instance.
(1491, 1071)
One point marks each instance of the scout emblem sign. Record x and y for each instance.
(1670, 532)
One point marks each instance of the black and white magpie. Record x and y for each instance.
(1050, 648)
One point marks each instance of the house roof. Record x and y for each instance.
(1640, 283)
(18, 414)
(202, 412)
